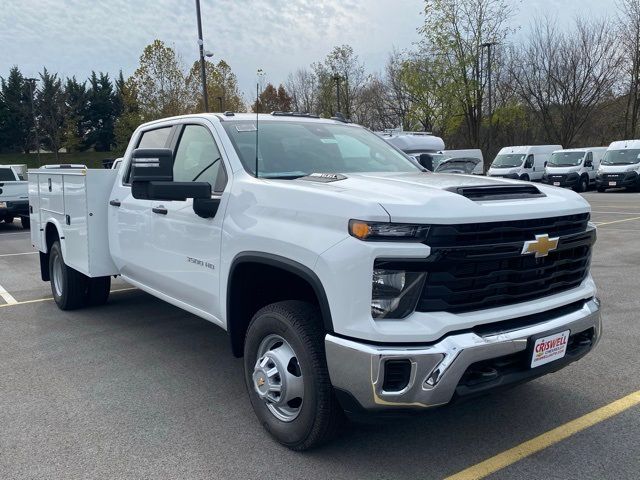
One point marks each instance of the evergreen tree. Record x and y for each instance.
(52, 109)
(76, 121)
(101, 113)
(17, 125)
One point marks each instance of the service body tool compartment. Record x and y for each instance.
(76, 202)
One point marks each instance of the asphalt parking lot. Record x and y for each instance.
(140, 389)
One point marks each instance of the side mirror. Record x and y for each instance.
(426, 160)
(588, 163)
(152, 177)
(545, 164)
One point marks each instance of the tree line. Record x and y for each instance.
(100, 113)
(575, 83)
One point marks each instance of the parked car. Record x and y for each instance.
(523, 163)
(348, 278)
(14, 195)
(574, 167)
(620, 166)
(467, 161)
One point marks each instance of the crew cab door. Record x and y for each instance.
(185, 247)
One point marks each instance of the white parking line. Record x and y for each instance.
(7, 297)
(38, 300)
(16, 254)
(14, 233)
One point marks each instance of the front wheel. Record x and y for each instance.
(68, 286)
(583, 185)
(286, 375)
(26, 222)
(524, 178)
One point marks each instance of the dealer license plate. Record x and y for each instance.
(612, 184)
(3, 204)
(550, 348)
(556, 184)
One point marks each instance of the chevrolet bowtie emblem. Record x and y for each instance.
(541, 246)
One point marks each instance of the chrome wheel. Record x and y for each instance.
(277, 378)
(57, 275)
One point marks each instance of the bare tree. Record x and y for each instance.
(302, 86)
(562, 76)
(455, 30)
(629, 21)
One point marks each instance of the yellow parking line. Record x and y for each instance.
(37, 300)
(617, 221)
(547, 439)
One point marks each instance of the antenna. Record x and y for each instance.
(257, 120)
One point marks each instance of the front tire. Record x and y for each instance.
(524, 178)
(286, 375)
(68, 286)
(583, 185)
(26, 222)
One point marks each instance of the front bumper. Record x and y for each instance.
(562, 180)
(15, 208)
(445, 370)
(615, 180)
(511, 176)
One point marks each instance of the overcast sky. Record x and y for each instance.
(73, 37)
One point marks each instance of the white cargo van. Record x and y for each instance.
(423, 146)
(574, 167)
(620, 166)
(522, 163)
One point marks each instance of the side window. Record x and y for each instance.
(588, 161)
(158, 138)
(198, 158)
(529, 162)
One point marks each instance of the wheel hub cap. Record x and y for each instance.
(277, 378)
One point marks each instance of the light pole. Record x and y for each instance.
(488, 46)
(32, 89)
(203, 72)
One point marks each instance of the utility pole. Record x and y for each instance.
(488, 46)
(203, 72)
(32, 89)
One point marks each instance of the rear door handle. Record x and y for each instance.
(160, 210)
(115, 203)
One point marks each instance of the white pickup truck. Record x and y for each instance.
(348, 277)
(14, 197)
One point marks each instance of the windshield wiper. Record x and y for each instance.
(285, 177)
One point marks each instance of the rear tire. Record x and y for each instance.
(26, 222)
(296, 405)
(98, 291)
(69, 287)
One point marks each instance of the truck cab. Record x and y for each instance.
(522, 163)
(574, 168)
(348, 278)
(620, 166)
(14, 195)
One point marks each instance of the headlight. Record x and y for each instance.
(387, 231)
(395, 293)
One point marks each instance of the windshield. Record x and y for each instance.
(566, 159)
(508, 160)
(6, 175)
(621, 157)
(294, 149)
(461, 164)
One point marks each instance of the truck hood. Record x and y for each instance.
(425, 197)
(563, 170)
(619, 168)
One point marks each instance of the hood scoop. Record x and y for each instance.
(483, 193)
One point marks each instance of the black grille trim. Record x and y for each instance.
(479, 276)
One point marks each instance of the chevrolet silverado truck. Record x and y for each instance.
(349, 278)
(14, 196)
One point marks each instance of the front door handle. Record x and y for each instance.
(115, 203)
(159, 210)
